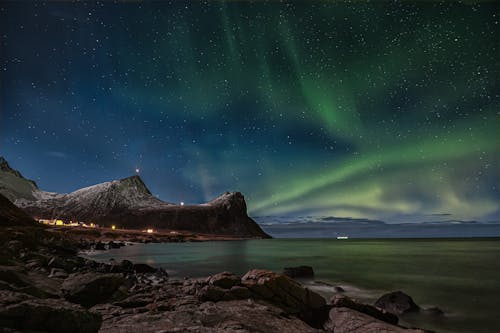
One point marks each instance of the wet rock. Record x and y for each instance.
(126, 265)
(58, 273)
(339, 289)
(99, 246)
(287, 294)
(113, 245)
(211, 293)
(346, 320)
(397, 302)
(22, 312)
(434, 311)
(89, 289)
(238, 292)
(299, 272)
(346, 302)
(66, 264)
(144, 268)
(225, 280)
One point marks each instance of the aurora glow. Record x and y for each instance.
(369, 110)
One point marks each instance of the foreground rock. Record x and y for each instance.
(397, 302)
(287, 294)
(225, 280)
(299, 272)
(23, 312)
(345, 320)
(380, 314)
(90, 288)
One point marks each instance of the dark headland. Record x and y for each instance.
(128, 204)
(46, 286)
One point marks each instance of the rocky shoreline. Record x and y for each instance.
(46, 286)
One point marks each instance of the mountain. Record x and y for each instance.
(128, 203)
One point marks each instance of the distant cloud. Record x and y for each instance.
(57, 154)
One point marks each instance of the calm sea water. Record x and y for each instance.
(460, 276)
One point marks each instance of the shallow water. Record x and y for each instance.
(459, 276)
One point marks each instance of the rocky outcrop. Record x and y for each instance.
(224, 280)
(380, 314)
(287, 294)
(22, 312)
(299, 272)
(397, 302)
(89, 289)
(346, 320)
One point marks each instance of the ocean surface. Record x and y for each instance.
(460, 276)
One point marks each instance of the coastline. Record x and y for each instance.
(46, 277)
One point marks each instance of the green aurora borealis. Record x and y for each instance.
(374, 110)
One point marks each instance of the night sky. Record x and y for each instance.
(377, 110)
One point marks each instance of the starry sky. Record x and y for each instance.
(377, 110)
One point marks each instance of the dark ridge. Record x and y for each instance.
(4, 166)
(11, 215)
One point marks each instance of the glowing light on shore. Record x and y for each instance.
(182, 203)
(113, 227)
(150, 231)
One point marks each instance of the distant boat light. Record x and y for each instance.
(342, 237)
(182, 203)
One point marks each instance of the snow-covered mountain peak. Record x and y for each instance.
(230, 200)
(134, 182)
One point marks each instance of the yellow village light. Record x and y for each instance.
(59, 222)
(150, 231)
(113, 227)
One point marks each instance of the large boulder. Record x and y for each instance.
(211, 293)
(89, 289)
(299, 272)
(224, 280)
(22, 312)
(144, 268)
(397, 302)
(346, 302)
(287, 294)
(345, 320)
(224, 286)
